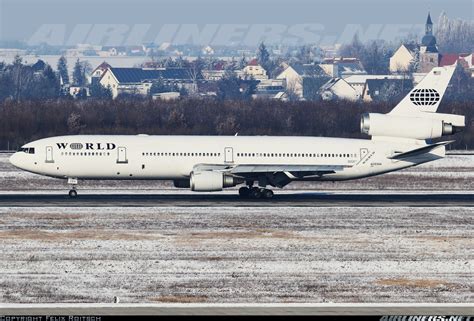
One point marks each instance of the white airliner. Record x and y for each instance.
(400, 139)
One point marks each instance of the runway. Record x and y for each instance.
(296, 199)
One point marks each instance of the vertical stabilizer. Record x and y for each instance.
(427, 95)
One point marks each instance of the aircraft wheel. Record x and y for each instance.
(255, 193)
(73, 193)
(267, 193)
(244, 192)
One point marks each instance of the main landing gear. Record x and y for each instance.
(255, 192)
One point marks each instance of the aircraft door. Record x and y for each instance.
(364, 155)
(228, 155)
(122, 155)
(49, 154)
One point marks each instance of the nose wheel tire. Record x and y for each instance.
(73, 193)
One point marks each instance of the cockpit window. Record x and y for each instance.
(27, 150)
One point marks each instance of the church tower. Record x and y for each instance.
(429, 55)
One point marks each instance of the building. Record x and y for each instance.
(409, 58)
(404, 59)
(465, 60)
(338, 89)
(83, 50)
(385, 89)
(429, 55)
(426, 56)
(358, 82)
(115, 51)
(208, 50)
(271, 88)
(342, 67)
(139, 80)
(167, 96)
(100, 69)
(254, 70)
(295, 74)
(213, 74)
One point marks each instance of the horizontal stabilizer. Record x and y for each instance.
(419, 151)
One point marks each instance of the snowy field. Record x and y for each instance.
(230, 254)
(456, 172)
(186, 254)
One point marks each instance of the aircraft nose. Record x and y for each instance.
(14, 160)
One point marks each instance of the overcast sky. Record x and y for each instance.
(21, 19)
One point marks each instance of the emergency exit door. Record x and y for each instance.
(122, 155)
(49, 154)
(363, 153)
(228, 155)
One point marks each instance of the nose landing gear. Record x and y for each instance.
(73, 183)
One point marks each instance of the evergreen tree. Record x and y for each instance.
(62, 70)
(229, 87)
(78, 74)
(159, 86)
(242, 62)
(263, 57)
(99, 91)
(48, 85)
(249, 89)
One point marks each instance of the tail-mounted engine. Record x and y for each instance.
(429, 126)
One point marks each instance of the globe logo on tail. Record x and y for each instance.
(424, 97)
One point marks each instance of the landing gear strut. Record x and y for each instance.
(73, 191)
(255, 192)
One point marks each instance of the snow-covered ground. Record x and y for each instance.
(198, 254)
(251, 254)
(456, 172)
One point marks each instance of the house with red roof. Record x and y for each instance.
(255, 70)
(100, 70)
(426, 55)
(465, 60)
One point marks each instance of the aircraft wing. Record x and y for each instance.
(262, 168)
(275, 175)
(316, 169)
